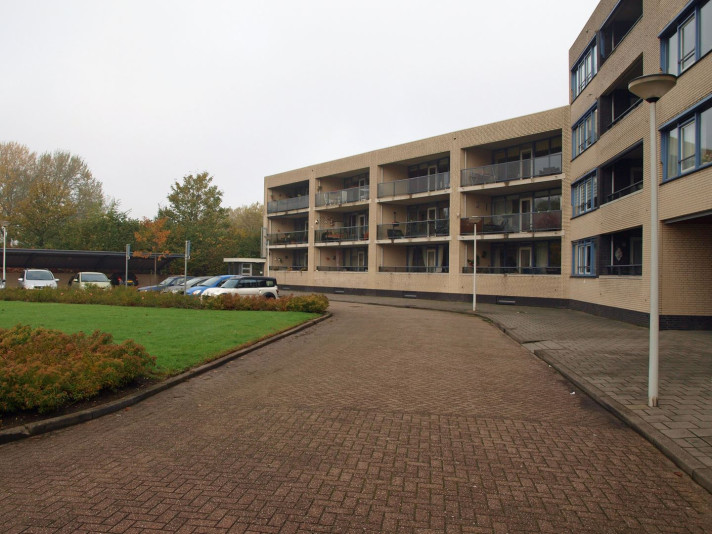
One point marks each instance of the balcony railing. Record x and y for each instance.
(346, 233)
(433, 228)
(343, 268)
(539, 221)
(623, 270)
(344, 196)
(624, 191)
(288, 238)
(414, 269)
(288, 204)
(420, 184)
(287, 267)
(513, 270)
(514, 170)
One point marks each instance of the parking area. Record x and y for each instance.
(380, 419)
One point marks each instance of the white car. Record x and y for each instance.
(38, 279)
(85, 280)
(263, 286)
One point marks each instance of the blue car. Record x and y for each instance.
(210, 282)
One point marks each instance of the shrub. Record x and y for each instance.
(42, 369)
(121, 296)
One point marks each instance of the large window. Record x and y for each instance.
(584, 194)
(584, 257)
(687, 38)
(585, 132)
(687, 141)
(584, 70)
(622, 253)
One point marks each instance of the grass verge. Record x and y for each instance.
(178, 338)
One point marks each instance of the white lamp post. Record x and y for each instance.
(4, 239)
(651, 88)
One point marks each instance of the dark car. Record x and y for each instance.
(168, 282)
(117, 279)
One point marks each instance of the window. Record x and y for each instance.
(619, 23)
(584, 70)
(584, 194)
(687, 141)
(687, 38)
(584, 258)
(585, 132)
(622, 253)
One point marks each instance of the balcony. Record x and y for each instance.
(410, 186)
(432, 228)
(287, 267)
(540, 221)
(514, 170)
(635, 269)
(288, 204)
(415, 269)
(346, 233)
(513, 270)
(344, 196)
(343, 268)
(287, 238)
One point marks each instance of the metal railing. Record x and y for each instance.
(344, 233)
(288, 204)
(344, 196)
(625, 191)
(343, 268)
(420, 184)
(538, 221)
(439, 269)
(433, 228)
(287, 238)
(623, 270)
(512, 270)
(514, 170)
(287, 267)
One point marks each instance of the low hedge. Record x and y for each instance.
(121, 296)
(42, 369)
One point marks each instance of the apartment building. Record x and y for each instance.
(550, 208)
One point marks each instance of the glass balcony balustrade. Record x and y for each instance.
(432, 228)
(287, 238)
(410, 186)
(512, 270)
(342, 233)
(288, 204)
(514, 170)
(343, 196)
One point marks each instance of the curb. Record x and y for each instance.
(63, 421)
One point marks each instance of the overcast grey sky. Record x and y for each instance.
(148, 91)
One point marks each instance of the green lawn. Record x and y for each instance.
(179, 339)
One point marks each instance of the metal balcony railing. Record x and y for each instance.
(624, 270)
(414, 269)
(287, 267)
(624, 191)
(343, 268)
(288, 204)
(514, 170)
(344, 196)
(539, 221)
(345, 233)
(288, 238)
(433, 228)
(513, 270)
(420, 184)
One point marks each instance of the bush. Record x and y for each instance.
(42, 369)
(121, 296)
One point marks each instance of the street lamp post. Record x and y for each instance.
(4, 251)
(651, 88)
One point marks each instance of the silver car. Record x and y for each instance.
(38, 279)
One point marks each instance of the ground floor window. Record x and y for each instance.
(527, 257)
(428, 258)
(584, 257)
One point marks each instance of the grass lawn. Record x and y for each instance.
(179, 339)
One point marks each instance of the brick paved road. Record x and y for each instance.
(430, 422)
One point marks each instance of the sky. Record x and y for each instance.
(149, 91)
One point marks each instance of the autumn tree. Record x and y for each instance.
(17, 164)
(246, 229)
(152, 239)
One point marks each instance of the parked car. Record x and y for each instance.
(210, 282)
(86, 280)
(180, 288)
(263, 286)
(117, 279)
(168, 282)
(38, 279)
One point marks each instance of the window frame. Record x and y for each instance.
(578, 84)
(583, 249)
(677, 124)
(588, 183)
(691, 13)
(588, 124)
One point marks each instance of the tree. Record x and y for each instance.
(246, 226)
(107, 230)
(17, 164)
(195, 213)
(152, 238)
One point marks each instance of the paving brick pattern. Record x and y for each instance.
(379, 419)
